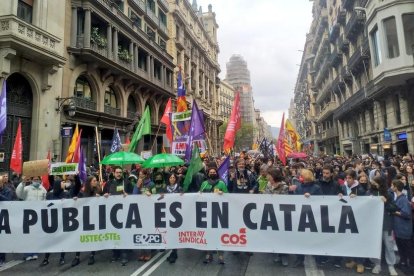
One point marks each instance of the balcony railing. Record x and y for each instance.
(330, 133)
(335, 58)
(333, 35)
(112, 110)
(163, 28)
(152, 16)
(164, 3)
(84, 103)
(132, 114)
(356, 60)
(352, 102)
(354, 24)
(327, 110)
(338, 84)
(346, 73)
(343, 43)
(348, 4)
(141, 5)
(33, 41)
(341, 16)
(322, 71)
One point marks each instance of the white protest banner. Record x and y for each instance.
(63, 168)
(256, 223)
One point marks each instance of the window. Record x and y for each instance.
(376, 46)
(162, 17)
(142, 59)
(151, 5)
(82, 88)
(408, 23)
(157, 69)
(110, 98)
(25, 10)
(150, 33)
(390, 28)
(136, 20)
(397, 110)
(162, 43)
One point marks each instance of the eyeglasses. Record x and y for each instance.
(118, 172)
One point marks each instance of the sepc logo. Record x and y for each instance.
(239, 239)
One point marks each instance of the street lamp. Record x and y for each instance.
(70, 107)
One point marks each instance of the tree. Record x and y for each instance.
(244, 137)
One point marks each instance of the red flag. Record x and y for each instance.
(281, 142)
(45, 178)
(16, 158)
(127, 141)
(76, 154)
(233, 125)
(166, 119)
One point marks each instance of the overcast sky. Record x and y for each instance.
(268, 34)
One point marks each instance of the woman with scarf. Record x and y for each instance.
(213, 185)
(173, 187)
(91, 189)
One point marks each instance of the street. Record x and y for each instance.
(189, 262)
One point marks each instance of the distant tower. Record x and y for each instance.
(238, 75)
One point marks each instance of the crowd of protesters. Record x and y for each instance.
(391, 179)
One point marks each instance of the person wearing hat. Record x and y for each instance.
(213, 184)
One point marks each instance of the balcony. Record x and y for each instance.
(179, 41)
(323, 92)
(338, 84)
(357, 59)
(341, 16)
(322, 72)
(352, 103)
(327, 110)
(164, 4)
(151, 15)
(335, 58)
(346, 74)
(30, 41)
(333, 35)
(111, 7)
(355, 24)
(323, 48)
(163, 28)
(343, 43)
(348, 4)
(141, 5)
(112, 110)
(329, 133)
(84, 103)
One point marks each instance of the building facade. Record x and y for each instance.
(32, 55)
(360, 73)
(193, 45)
(117, 65)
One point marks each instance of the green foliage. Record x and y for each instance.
(98, 39)
(124, 54)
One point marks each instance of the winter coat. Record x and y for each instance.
(356, 189)
(30, 193)
(6, 194)
(118, 186)
(281, 189)
(403, 227)
(310, 187)
(209, 186)
(243, 183)
(330, 187)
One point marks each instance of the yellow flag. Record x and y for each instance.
(72, 146)
(294, 136)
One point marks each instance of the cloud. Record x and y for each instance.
(268, 34)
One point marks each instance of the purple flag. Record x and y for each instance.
(82, 167)
(3, 109)
(223, 170)
(196, 129)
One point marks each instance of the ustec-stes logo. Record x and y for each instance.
(239, 239)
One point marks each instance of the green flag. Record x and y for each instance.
(195, 166)
(144, 127)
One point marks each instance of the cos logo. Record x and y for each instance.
(235, 239)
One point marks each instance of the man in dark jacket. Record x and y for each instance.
(242, 181)
(5, 195)
(118, 186)
(328, 185)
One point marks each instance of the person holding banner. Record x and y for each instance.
(5, 195)
(307, 188)
(58, 192)
(118, 186)
(277, 186)
(379, 188)
(213, 185)
(173, 188)
(243, 181)
(31, 190)
(91, 188)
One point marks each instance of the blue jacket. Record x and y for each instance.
(403, 226)
(311, 188)
(6, 194)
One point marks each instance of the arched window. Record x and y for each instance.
(82, 88)
(110, 98)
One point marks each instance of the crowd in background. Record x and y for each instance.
(390, 178)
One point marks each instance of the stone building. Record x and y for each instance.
(32, 53)
(359, 58)
(193, 45)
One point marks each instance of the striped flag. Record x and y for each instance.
(116, 141)
(181, 100)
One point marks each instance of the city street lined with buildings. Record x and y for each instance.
(137, 139)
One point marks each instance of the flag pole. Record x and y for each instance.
(156, 135)
(209, 141)
(99, 154)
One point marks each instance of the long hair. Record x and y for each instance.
(88, 189)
